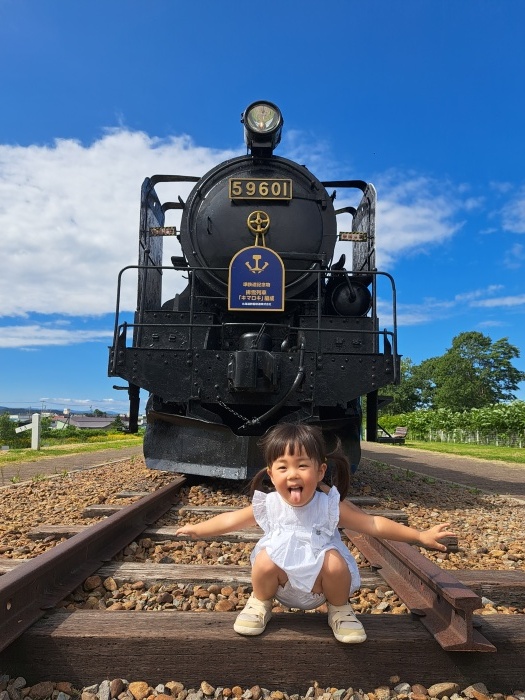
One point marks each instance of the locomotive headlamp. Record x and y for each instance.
(263, 123)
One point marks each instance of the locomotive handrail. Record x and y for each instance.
(247, 324)
(187, 269)
(154, 179)
(346, 210)
(354, 184)
(191, 324)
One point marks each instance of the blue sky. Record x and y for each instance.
(425, 99)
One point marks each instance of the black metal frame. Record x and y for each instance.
(169, 345)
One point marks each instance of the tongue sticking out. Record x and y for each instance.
(295, 495)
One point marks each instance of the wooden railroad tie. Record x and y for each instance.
(296, 649)
(501, 587)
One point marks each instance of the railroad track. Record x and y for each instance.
(83, 646)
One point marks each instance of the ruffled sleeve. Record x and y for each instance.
(260, 512)
(333, 508)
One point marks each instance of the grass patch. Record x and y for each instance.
(28, 455)
(121, 440)
(489, 452)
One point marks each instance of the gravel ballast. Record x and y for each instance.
(490, 536)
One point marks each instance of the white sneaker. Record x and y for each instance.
(252, 620)
(345, 625)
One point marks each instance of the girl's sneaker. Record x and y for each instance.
(345, 625)
(252, 620)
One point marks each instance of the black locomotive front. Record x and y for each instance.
(273, 202)
(268, 327)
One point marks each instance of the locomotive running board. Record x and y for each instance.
(180, 444)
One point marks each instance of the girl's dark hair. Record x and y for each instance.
(293, 437)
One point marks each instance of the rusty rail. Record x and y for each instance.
(443, 604)
(39, 584)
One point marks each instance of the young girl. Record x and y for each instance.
(301, 559)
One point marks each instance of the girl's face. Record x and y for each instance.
(296, 476)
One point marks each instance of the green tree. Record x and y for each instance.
(475, 372)
(8, 434)
(118, 424)
(406, 396)
(46, 430)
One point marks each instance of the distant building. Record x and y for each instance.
(25, 417)
(61, 421)
(21, 417)
(92, 422)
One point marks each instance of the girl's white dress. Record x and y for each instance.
(296, 538)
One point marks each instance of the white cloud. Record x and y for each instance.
(431, 309)
(69, 214)
(305, 149)
(501, 187)
(517, 300)
(514, 258)
(30, 336)
(513, 214)
(412, 317)
(491, 324)
(475, 294)
(69, 217)
(69, 220)
(414, 214)
(83, 403)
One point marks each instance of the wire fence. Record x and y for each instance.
(471, 437)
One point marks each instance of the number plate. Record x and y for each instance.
(259, 188)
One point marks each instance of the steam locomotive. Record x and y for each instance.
(266, 326)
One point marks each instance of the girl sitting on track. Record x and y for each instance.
(301, 559)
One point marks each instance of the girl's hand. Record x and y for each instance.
(430, 539)
(187, 530)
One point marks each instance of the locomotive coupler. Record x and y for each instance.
(253, 370)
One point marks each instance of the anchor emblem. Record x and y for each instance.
(256, 267)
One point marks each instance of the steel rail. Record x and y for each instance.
(39, 584)
(443, 604)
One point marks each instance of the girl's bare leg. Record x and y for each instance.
(334, 579)
(266, 577)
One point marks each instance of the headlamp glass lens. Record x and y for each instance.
(262, 118)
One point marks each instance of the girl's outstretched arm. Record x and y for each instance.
(354, 518)
(220, 524)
